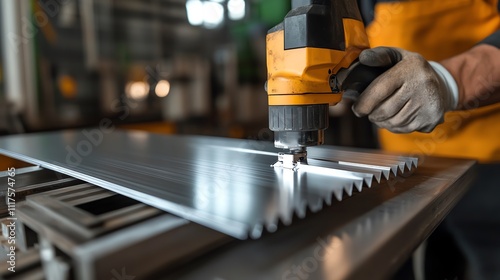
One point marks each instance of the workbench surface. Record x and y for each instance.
(365, 236)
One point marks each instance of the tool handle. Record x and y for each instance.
(358, 77)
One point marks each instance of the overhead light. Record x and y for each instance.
(137, 90)
(210, 14)
(213, 14)
(236, 9)
(162, 88)
(68, 86)
(194, 10)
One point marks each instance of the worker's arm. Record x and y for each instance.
(477, 73)
(413, 94)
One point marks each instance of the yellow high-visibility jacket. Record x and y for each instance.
(439, 29)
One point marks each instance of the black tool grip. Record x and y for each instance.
(359, 78)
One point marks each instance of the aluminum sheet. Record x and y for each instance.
(369, 236)
(225, 184)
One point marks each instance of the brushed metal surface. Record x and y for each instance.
(225, 184)
(367, 237)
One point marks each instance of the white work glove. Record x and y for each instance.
(412, 95)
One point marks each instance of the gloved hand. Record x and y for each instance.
(412, 95)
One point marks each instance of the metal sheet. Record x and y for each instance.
(367, 237)
(225, 184)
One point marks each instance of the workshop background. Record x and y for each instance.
(195, 67)
(165, 66)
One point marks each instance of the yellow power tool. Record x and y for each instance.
(311, 60)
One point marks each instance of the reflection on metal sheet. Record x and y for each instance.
(224, 184)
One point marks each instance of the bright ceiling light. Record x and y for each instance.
(213, 14)
(236, 9)
(208, 13)
(162, 88)
(137, 90)
(194, 10)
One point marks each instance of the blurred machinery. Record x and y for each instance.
(170, 66)
(70, 63)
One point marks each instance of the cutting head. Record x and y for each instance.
(298, 126)
(293, 159)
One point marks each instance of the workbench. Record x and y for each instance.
(365, 235)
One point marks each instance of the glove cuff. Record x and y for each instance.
(450, 83)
